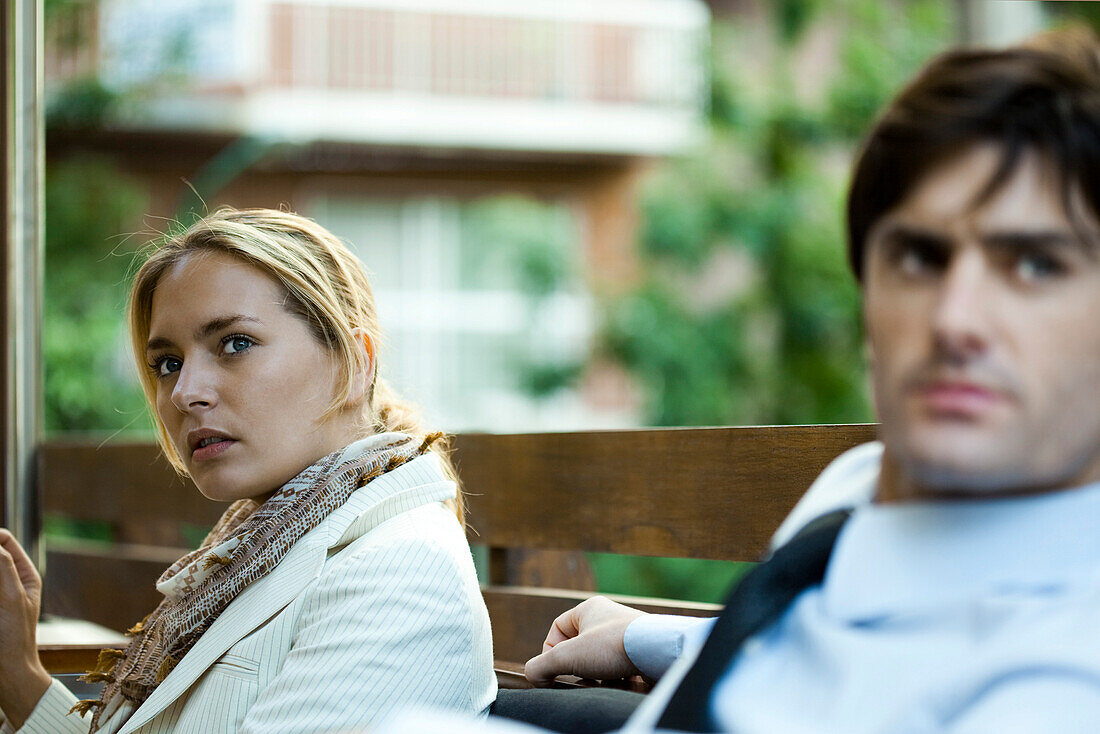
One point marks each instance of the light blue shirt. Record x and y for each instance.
(960, 617)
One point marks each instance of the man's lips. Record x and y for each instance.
(958, 398)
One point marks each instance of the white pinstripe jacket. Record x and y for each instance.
(375, 609)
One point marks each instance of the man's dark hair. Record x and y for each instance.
(1043, 95)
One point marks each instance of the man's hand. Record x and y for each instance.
(586, 641)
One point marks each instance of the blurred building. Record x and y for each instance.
(482, 156)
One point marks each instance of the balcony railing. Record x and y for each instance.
(625, 76)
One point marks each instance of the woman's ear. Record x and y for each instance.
(362, 378)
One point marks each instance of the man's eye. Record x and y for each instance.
(166, 366)
(1034, 266)
(236, 344)
(919, 259)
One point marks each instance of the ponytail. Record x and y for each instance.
(392, 414)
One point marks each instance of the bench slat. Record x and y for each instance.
(715, 493)
(73, 658)
(130, 486)
(113, 587)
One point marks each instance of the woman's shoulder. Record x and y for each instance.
(433, 524)
(403, 494)
(420, 554)
(427, 533)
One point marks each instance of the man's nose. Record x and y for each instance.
(194, 388)
(960, 322)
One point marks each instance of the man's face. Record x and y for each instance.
(984, 328)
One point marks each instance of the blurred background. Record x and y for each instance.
(578, 215)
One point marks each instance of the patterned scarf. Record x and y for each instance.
(246, 544)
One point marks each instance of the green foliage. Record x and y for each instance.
(60, 527)
(669, 578)
(542, 380)
(793, 17)
(81, 103)
(692, 363)
(1086, 11)
(89, 380)
(522, 241)
(878, 60)
(529, 245)
(678, 219)
(54, 8)
(773, 337)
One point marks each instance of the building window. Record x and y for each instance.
(487, 319)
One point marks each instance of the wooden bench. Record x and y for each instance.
(536, 501)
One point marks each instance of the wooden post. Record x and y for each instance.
(5, 241)
(22, 262)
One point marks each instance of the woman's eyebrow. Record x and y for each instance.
(221, 323)
(157, 342)
(210, 327)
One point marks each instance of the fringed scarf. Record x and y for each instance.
(246, 543)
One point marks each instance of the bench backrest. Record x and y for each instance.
(538, 501)
(711, 493)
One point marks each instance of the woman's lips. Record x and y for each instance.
(217, 448)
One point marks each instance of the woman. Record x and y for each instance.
(338, 584)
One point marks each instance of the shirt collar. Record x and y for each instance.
(917, 556)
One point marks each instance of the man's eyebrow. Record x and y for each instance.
(1010, 239)
(1020, 240)
(911, 233)
(210, 327)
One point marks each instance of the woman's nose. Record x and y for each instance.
(194, 388)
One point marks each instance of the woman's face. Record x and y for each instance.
(241, 384)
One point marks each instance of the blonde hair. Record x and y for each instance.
(326, 286)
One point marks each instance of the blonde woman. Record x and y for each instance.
(338, 585)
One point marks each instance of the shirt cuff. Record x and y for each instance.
(654, 641)
(51, 714)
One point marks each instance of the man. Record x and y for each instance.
(963, 592)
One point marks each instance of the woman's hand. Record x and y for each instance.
(23, 680)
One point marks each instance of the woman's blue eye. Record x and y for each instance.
(167, 365)
(236, 344)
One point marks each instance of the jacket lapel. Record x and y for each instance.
(254, 606)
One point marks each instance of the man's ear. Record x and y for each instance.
(869, 360)
(868, 347)
(362, 378)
